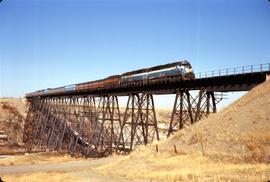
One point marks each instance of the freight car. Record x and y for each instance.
(34, 94)
(55, 90)
(98, 84)
(87, 86)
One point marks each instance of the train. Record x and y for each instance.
(180, 70)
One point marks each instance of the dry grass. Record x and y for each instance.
(41, 177)
(11, 150)
(16, 102)
(191, 167)
(12, 113)
(39, 158)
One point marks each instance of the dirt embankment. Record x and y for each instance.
(12, 113)
(233, 144)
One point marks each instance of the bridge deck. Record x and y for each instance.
(224, 80)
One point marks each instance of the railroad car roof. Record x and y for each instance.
(113, 76)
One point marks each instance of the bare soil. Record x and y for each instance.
(55, 167)
(12, 113)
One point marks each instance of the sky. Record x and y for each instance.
(51, 43)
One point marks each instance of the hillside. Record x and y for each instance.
(11, 124)
(233, 144)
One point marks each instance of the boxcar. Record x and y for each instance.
(111, 81)
(89, 85)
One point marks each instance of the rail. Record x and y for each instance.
(235, 71)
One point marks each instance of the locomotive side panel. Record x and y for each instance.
(182, 70)
(164, 73)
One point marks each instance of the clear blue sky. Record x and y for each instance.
(53, 43)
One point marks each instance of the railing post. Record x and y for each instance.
(200, 75)
(243, 70)
(234, 71)
(212, 73)
(219, 73)
(227, 71)
(251, 68)
(261, 68)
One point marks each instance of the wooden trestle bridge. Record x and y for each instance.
(92, 124)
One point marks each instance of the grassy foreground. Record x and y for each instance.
(192, 167)
(41, 177)
(37, 158)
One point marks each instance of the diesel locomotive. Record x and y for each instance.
(177, 71)
(181, 69)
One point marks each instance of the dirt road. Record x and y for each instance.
(80, 169)
(63, 166)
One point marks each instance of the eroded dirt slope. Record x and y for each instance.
(12, 112)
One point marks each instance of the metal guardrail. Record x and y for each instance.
(235, 71)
